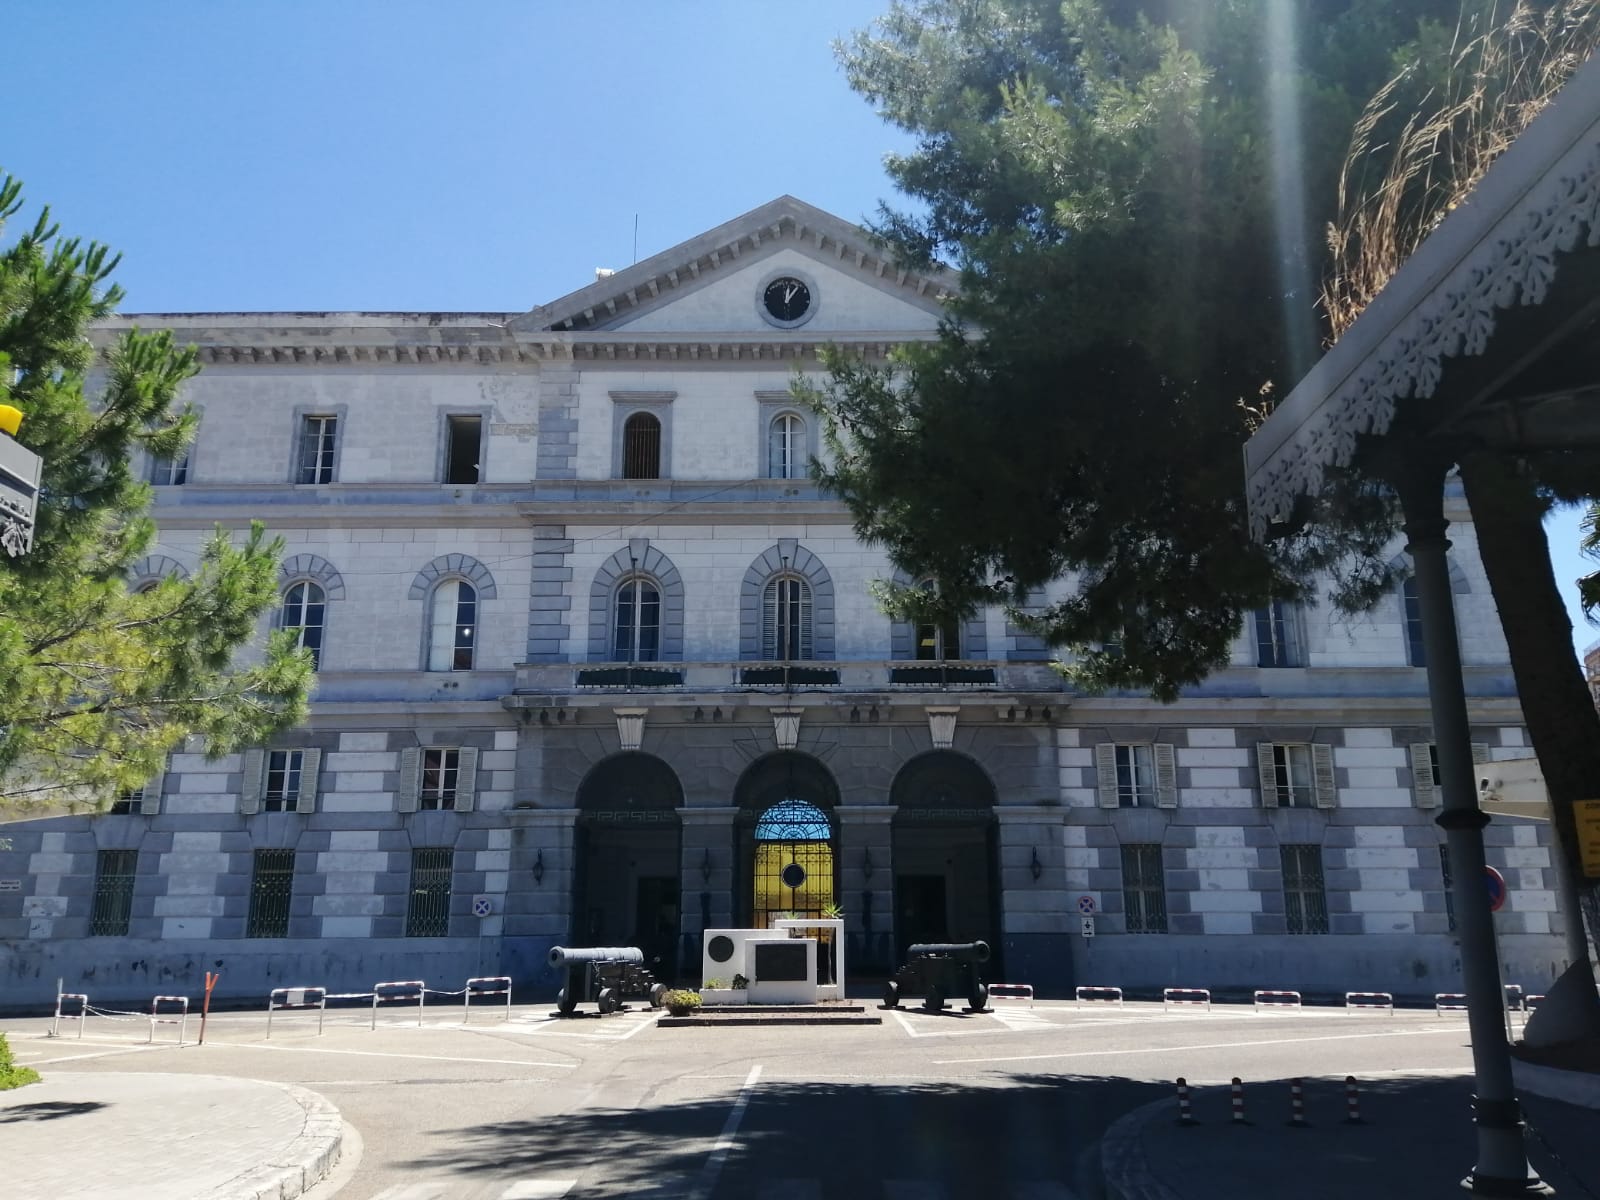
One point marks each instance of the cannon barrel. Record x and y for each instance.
(568, 956)
(977, 952)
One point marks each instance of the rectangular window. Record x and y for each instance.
(1449, 895)
(170, 472)
(129, 801)
(115, 871)
(1277, 635)
(271, 886)
(1293, 779)
(428, 911)
(318, 438)
(281, 788)
(1416, 651)
(1136, 777)
(441, 772)
(1305, 900)
(1144, 889)
(463, 439)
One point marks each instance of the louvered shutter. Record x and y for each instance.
(769, 621)
(1269, 774)
(150, 801)
(1422, 775)
(310, 768)
(1166, 775)
(466, 778)
(1293, 639)
(410, 779)
(1105, 765)
(1324, 783)
(250, 784)
(803, 595)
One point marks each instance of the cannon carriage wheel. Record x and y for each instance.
(608, 1000)
(657, 992)
(891, 994)
(934, 1002)
(566, 1004)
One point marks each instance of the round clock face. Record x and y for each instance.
(786, 299)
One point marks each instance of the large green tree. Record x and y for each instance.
(98, 682)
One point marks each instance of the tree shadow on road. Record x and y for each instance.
(48, 1110)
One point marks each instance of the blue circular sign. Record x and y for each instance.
(1497, 888)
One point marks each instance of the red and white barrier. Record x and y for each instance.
(1237, 1089)
(1185, 1111)
(1352, 1102)
(1276, 999)
(1444, 1002)
(485, 985)
(1529, 1003)
(1382, 1001)
(1093, 994)
(1515, 1000)
(83, 1011)
(399, 991)
(180, 1018)
(286, 998)
(1185, 997)
(1012, 991)
(1297, 1105)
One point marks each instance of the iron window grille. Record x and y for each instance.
(1136, 777)
(1411, 605)
(1293, 776)
(304, 612)
(1144, 889)
(452, 640)
(463, 439)
(1449, 884)
(641, 447)
(114, 875)
(280, 791)
(637, 627)
(1305, 897)
(1278, 635)
(318, 440)
(271, 889)
(170, 472)
(428, 910)
(441, 774)
(786, 447)
(129, 801)
(786, 620)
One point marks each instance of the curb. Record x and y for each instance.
(309, 1156)
(1570, 1087)
(1123, 1168)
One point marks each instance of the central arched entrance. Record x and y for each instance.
(626, 885)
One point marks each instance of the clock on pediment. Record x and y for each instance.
(786, 301)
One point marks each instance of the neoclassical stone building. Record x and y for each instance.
(598, 664)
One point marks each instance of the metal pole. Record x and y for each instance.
(1502, 1167)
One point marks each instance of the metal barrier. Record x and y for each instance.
(1276, 999)
(181, 1019)
(1529, 1003)
(407, 989)
(1444, 1002)
(286, 998)
(83, 1011)
(1382, 1001)
(1012, 991)
(479, 985)
(1186, 997)
(1515, 1000)
(1093, 994)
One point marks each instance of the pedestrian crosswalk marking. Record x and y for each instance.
(1021, 1019)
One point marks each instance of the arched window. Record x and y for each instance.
(1411, 607)
(786, 619)
(786, 447)
(938, 640)
(636, 622)
(304, 611)
(641, 447)
(793, 870)
(453, 630)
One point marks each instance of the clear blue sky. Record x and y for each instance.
(422, 156)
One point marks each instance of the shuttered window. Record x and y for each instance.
(271, 889)
(786, 619)
(1305, 898)
(641, 447)
(114, 876)
(428, 906)
(1144, 889)
(1137, 775)
(1297, 775)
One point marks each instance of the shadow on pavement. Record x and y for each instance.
(48, 1110)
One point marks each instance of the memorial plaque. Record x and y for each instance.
(780, 962)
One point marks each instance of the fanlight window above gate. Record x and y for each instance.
(793, 821)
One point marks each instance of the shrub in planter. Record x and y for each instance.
(11, 1075)
(740, 983)
(681, 1002)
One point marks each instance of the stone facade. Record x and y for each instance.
(605, 796)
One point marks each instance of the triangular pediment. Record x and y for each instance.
(713, 283)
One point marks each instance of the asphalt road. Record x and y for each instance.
(1007, 1105)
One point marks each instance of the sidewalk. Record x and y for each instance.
(105, 1136)
(1416, 1142)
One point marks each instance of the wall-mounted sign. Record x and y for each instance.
(10, 885)
(1088, 926)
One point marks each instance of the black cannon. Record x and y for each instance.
(607, 975)
(937, 970)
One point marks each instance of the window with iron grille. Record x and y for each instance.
(1449, 895)
(318, 441)
(170, 472)
(271, 888)
(304, 611)
(280, 786)
(1305, 899)
(441, 771)
(1294, 781)
(428, 909)
(1144, 889)
(786, 619)
(1278, 635)
(1136, 777)
(637, 627)
(463, 439)
(641, 447)
(453, 629)
(129, 801)
(1411, 604)
(114, 874)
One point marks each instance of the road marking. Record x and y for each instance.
(907, 1026)
(102, 1054)
(538, 1189)
(493, 1062)
(550, 1027)
(1021, 1020)
(709, 1174)
(1336, 1037)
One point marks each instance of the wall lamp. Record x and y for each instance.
(1036, 867)
(538, 866)
(866, 863)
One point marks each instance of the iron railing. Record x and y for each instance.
(115, 872)
(428, 913)
(271, 890)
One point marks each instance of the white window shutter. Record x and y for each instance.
(1422, 775)
(410, 779)
(467, 779)
(1293, 636)
(1166, 775)
(1325, 784)
(805, 650)
(769, 622)
(250, 784)
(1105, 767)
(310, 767)
(1267, 767)
(150, 801)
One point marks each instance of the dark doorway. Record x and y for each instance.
(921, 913)
(656, 920)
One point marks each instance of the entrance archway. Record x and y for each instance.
(787, 837)
(945, 849)
(626, 883)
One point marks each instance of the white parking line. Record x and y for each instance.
(452, 1058)
(1336, 1037)
(712, 1171)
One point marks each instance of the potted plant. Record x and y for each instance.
(717, 991)
(681, 1002)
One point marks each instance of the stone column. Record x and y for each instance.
(550, 599)
(866, 881)
(538, 893)
(1037, 932)
(707, 880)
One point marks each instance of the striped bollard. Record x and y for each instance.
(1185, 1113)
(1238, 1101)
(1352, 1102)
(1297, 1105)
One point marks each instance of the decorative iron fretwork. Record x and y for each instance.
(629, 816)
(1305, 899)
(599, 677)
(788, 676)
(271, 890)
(793, 821)
(941, 677)
(1144, 889)
(115, 871)
(428, 913)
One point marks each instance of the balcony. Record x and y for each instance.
(844, 678)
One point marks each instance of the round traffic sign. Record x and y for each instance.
(1086, 905)
(1497, 888)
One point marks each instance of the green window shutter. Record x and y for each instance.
(250, 785)
(1166, 775)
(1422, 775)
(467, 779)
(410, 779)
(1324, 782)
(1105, 768)
(310, 768)
(1269, 775)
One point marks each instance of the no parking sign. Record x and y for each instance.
(1086, 905)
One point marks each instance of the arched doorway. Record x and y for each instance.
(944, 839)
(626, 885)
